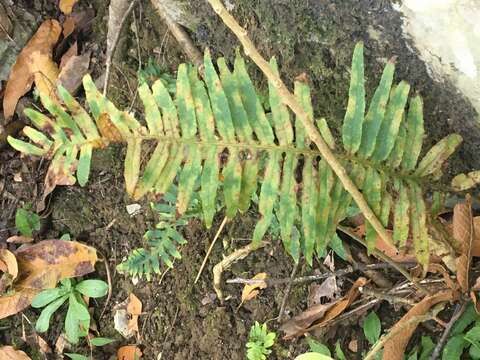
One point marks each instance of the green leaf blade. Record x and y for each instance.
(354, 116)
(376, 112)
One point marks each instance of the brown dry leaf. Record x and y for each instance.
(17, 239)
(353, 345)
(60, 344)
(476, 237)
(250, 291)
(10, 261)
(463, 234)
(318, 315)
(73, 71)
(128, 352)
(326, 289)
(43, 345)
(394, 348)
(34, 63)
(9, 353)
(342, 304)
(297, 325)
(68, 26)
(42, 266)
(72, 51)
(66, 6)
(3, 266)
(134, 308)
(56, 175)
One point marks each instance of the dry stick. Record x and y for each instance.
(459, 310)
(108, 61)
(217, 235)
(289, 99)
(180, 35)
(387, 259)
(300, 280)
(281, 313)
(109, 281)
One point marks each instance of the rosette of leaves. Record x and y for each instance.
(217, 133)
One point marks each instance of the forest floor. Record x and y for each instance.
(182, 319)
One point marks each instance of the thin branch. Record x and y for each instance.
(180, 35)
(290, 100)
(459, 310)
(217, 235)
(303, 279)
(281, 313)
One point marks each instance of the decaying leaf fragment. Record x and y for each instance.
(34, 63)
(66, 6)
(318, 315)
(395, 347)
(9, 353)
(463, 182)
(463, 233)
(42, 266)
(250, 291)
(134, 308)
(129, 352)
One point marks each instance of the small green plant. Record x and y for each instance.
(27, 221)
(99, 341)
(372, 328)
(320, 351)
(464, 337)
(260, 340)
(161, 242)
(77, 320)
(423, 350)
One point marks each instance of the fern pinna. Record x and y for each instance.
(216, 135)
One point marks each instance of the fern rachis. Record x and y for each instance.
(216, 133)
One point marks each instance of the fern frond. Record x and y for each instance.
(161, 247)
(216, 133)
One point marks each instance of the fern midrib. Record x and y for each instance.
(258, 147)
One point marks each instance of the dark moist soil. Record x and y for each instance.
(183, 320)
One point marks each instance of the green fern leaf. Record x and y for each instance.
(214, 136)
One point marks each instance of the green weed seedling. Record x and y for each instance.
(77, 320)
(27, 221)
(260, 340)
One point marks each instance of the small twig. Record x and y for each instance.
(172, 325)
(109, 281)
(217, 235)
(303, 279)
(180, 35)
(385, 258)
(108, 61)
(392, 299)
(291, 101)
(218, 269)
(281, 313)
(459, 310)
(412, 321)
(8, 35)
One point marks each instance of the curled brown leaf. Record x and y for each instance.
(395, 347)
(463, 233)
